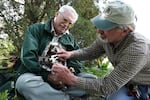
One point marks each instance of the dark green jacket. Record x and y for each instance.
(36, 38)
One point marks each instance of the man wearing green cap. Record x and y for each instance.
(127, 50)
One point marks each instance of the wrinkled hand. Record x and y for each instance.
(52, 77)
(63, 55)
(63, 74)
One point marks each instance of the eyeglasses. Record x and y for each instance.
(65, 21)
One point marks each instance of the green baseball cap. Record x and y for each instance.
(115, 13)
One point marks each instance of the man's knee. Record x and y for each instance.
(26, 81)
(121, 94)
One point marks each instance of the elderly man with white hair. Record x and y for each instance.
(35, 81)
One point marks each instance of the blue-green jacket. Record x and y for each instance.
(36, 38)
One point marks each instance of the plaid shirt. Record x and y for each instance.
(130, 59)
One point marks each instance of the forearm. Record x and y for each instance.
(120, 76)
(93, 51)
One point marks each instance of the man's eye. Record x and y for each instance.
(65, 20)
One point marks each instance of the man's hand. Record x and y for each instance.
(63, 74)
(55, 83)
(63, 55)
(53, 78)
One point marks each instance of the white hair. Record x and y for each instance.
(69, 9)
(130, 26)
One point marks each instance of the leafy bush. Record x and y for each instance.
(4, 95)
(6, 47)
(6, 50)
(98, 67)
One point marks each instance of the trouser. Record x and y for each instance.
(122, 94)
(33, 87)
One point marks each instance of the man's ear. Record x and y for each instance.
(126, 30)
(56, 14)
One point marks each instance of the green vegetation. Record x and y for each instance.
(7, 49)
(3, 96)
